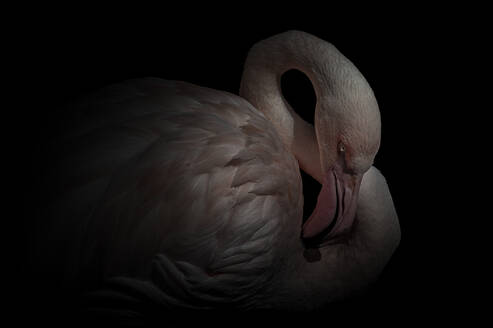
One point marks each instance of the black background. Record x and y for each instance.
(411, 62)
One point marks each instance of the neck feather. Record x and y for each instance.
(265, 64)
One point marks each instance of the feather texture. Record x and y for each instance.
(187, 185)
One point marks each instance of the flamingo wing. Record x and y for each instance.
(177, 188)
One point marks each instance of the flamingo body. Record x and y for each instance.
(192, 198)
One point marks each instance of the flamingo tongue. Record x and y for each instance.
(326, 210)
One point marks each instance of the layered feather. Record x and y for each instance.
(186, 183)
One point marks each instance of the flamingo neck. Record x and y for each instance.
(260, 85)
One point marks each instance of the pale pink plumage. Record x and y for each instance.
(189, 196)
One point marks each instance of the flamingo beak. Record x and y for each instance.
(336, 206)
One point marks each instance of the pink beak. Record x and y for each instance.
(336, 206)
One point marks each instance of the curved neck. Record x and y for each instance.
(265, 64)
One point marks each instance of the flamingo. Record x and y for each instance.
(192, 197)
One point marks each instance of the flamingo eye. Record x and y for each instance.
(341, 148)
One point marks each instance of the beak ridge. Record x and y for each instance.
(336, 207)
